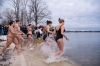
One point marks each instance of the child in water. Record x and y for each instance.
(39, 35)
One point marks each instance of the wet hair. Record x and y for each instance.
(60, 20)
(11, 23)
(29, 24)
(49, 22)
(17, 21)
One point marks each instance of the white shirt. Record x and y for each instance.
(38, 30)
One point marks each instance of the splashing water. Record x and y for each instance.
(55, 59)
(49, 48)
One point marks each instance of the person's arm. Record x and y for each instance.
(62, 32)
(48, 30)
(12, 31)
(18, 28)
(54, 32)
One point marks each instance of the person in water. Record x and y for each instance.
(46, 30)
(39, 35)
(29, 35)
(11, 37)
(19, 37)
(59, 31)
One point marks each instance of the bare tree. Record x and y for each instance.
(1, 1)
(4, 22)
(29, 16)
(20, 9)
(17, 5)
(28, 11)
(24, 11)
(39, 11)
(9, 15)
(0, 16)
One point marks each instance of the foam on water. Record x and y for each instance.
(42, 56)
(49, 48)
(55, 59)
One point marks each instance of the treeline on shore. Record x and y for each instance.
(82, 31)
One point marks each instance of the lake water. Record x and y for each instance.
(83, 48)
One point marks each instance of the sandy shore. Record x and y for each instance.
(12, 58)
(30, 58)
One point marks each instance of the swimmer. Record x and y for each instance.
(59, 31)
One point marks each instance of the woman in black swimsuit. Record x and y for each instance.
(46, 30)
(11, 37)
(59, 31)
(29, 34)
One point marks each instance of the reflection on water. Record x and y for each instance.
(83, 48)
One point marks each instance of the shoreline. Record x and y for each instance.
(30, 57)
(83, 31)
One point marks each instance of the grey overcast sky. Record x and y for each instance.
(78, 14)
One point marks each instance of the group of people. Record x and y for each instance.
(58, 35)
(14, 35)
(3, 29)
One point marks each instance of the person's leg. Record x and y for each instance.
(16, 45)
(32, 40)
(22, 40)
(18, 38)
(40, 41)
(37, 41)
(29, 40)
(9, 41)
(60, 44)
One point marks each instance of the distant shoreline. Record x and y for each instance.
(82, 31)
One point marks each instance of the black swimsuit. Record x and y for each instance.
(46, 35)
(28, 31)
(29, 34)
(59, 35)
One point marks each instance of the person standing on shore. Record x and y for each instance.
(11, 37)
(19, 37)
(29, 35)
(59, 31)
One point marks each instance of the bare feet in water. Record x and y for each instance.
(18, 51)
(52, 56)
(22, 49)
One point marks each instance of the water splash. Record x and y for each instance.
(49, 48)
(55, 59)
